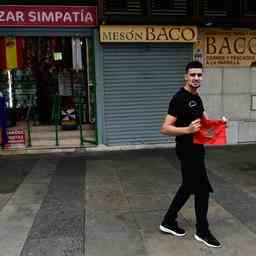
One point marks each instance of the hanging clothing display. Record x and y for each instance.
(77, 53)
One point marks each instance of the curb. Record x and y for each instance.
(99, 148)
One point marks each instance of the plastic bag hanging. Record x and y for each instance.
(77, 54)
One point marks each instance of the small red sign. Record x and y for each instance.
(16, 138)
(47, 16)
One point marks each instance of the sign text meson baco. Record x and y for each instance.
(145, 34)
(235, 47)
(29, 15)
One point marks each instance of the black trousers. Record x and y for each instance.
(201, 208)
(194, 181)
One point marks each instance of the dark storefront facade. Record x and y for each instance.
(47, 70)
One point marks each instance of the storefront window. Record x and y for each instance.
(39, 69)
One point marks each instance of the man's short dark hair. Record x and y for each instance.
(193, 64)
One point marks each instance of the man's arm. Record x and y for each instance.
(169, 128)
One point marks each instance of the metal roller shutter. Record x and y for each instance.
(138, 83)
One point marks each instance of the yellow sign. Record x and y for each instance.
(229, 48)
(148, 34)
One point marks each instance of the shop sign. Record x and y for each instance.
(228, 48)
(47, 16)
(16, 138)
(147, 34)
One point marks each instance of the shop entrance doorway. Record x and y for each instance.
(49, 89)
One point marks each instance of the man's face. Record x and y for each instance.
(194, 77)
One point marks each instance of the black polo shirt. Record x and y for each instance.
(186, 107)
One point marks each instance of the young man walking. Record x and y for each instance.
(183, 120)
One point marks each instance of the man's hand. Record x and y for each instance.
(194, 126)
(225, 120)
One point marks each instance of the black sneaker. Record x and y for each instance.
(208, 239)
(172, 229)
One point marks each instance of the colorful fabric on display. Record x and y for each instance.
(11, 50)
(211, 132)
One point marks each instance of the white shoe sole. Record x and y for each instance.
(169, 231)
(201, 240)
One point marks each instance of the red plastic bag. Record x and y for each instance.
(211, 132)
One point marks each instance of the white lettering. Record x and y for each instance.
(76, 15)
(82, 15)
(58, 16)
(67, 17)
(38, 16)
(48, 17)
(19, 16)
(2, 13)
(10, 16)
(32, 16)
(88, 17)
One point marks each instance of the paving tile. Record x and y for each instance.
(109, 221)
(149, 221)
(140, 187)
(215, 213)
(11, 245)
(160, 244)
(15, 223)
(102, 182)
(52, 224)
(64, 196)
(62, 212)
(100, 165)
(29, 194)
(12, 175)
(54, 247)
(236, 238)
(148, 202)
(112, 233)
(109, 246)
(110, 199)
(239, 203)
(149, 175)
(42, 171)
(70, 171)
(4, 198)
(17, 216)
(101, 175)
(153, 163)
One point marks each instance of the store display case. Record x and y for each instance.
(19, 89)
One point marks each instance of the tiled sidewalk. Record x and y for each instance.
(111, 204)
